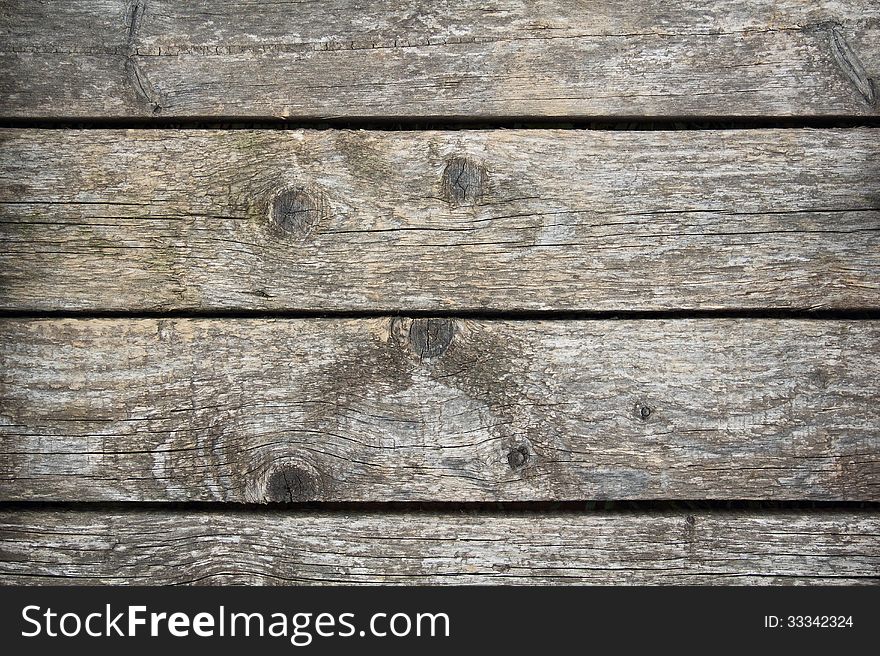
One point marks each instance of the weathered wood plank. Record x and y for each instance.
(414, 58)
(158, 547)
(391, 221)
(438, 410)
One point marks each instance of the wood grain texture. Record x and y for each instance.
(402, 221)
(438, 410)
(146, 58)
(158, 548)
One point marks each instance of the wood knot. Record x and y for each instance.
(518, 457)
(691, 520)
(463, 181)
(643, 411)
(292, 483)
(430, 338)
(297, 211)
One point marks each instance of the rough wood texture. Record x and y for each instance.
(438, 410)
(156, 547)
(415, 58)
(379, 221)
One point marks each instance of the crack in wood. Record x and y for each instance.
(851, 66)
(134, 72)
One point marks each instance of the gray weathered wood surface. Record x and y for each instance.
(416, 58)
(381, 408)
(392, 409)
(159, 547)
(390, 221)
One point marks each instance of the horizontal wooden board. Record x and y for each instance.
(475, 220)
(393, 409)
(157, 547)
(146, 58)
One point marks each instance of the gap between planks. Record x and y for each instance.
(839, 314)
(458, 123)
(647, 506)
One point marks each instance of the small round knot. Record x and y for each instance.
(296, 211)
(691, 520)
(518, 456)
(643, 411)
(290, 484)
(463, 181)
(430, 338)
